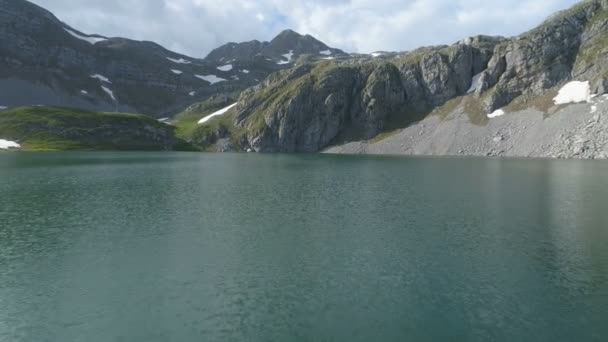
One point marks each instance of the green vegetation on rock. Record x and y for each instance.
(52, 128)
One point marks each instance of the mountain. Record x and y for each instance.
(536, 94)
(284, 49)
(43, 61)
(467, 85)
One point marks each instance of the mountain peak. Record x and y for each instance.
(287, 43)
(288, 33)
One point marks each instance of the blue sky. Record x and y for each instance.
(194, 27)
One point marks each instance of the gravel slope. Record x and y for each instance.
(576, 131)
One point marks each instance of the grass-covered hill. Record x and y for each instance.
(52, 128)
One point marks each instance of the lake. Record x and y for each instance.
(249, 247)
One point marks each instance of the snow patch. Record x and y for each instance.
(325, 52)
(109, 92)
(475, 83)
(245, 71)
(287, 56)
(328, 58)
(210, 78)
(179, 61)
(84, 92)
(90, 40)
(376, 54)
(192, 93)
(177, 72)
(496, 113)
(235, 77)
(593, 109)
(219, 112)
(466, 41)
(3, 107)
(574, 92)
(163, 119)
(226, 67)
(101, 78)
(6, 144)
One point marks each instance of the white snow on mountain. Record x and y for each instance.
(219, 112)
(101, 78)
(245, 71)
(574, 92)
(177, 72)
(496, 113)
(287, 56)
(226, 67)
(210, 78)
(474, 83)
(91, 40)
(109, 92)
(376, 54)
(6, 144)
(192, 93)
(3, 107)
(84, 92)
(179, 61)
(325, 52)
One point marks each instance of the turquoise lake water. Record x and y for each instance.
(247, 247)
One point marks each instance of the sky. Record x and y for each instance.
(195, 27)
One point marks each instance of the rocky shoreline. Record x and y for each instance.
(575, 131)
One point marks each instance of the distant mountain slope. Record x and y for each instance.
(46, 62)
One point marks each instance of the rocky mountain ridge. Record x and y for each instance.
(319, 104)
(284, 49)
(43, 61)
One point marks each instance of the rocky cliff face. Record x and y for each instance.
(307, 108)
(45, 62)
(312, 106)
(567, 46)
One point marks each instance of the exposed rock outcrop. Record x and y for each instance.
(306, 108)
(312, 106)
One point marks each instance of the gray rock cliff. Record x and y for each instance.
(313, 106)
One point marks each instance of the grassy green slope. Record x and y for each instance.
(52, 128)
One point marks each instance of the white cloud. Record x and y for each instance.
(194, 27)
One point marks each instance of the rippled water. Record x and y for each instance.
(224, 247)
